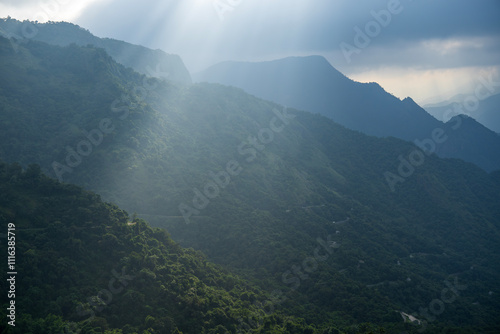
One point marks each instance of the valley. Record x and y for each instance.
(223, 212)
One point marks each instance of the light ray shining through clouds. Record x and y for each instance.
(426, 37)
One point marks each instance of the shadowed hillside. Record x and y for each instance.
(312, 84)
(340, 227)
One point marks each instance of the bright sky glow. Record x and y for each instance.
(427, 86)
(425, 49)
(43, 11)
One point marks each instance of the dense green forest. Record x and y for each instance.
(297, 209)
(85, 267)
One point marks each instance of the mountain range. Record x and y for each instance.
(154, 63)
(312, 84)
(487, 111)
(297, 223)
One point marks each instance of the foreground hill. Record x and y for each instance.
(155, 63)
(312, 84)
(83, 267)
(344, 227)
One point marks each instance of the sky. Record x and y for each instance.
(429, 50)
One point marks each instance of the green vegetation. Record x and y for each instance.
(83, 267)
(303, 219)
(143, 60)
(312, 84)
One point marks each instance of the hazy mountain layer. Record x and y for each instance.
(344, 227)
(312, 84)
(486, 113)
(154, 63)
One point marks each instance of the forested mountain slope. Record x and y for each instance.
(347, 228)
(84, 267)
(312, 84)
(155, 63)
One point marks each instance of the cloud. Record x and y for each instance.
(426, 54)
(439, 83)
(421, 35)
(44, 10)
(260, 28)
(19, 3)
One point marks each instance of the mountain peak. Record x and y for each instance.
(312, 63)
(312, 59)
(462, 117)
(154, 63)
(409, 100)
(467, 120)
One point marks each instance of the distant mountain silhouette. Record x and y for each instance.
(487, 113)
(439, 102)
(154, 63)
(312, 84)
(471, 139)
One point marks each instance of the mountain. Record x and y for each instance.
(438, 101)
(312, 84)
(155, 63)
(84, 267)
(473, 139)
(487, 112)
(337, 227)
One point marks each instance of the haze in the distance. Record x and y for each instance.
(425, 49)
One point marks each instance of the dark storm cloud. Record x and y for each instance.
(259, 29)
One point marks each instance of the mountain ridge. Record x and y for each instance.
(302, 178)
(312, 84)
(487, 112)
(89, 268)
(154, 63)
